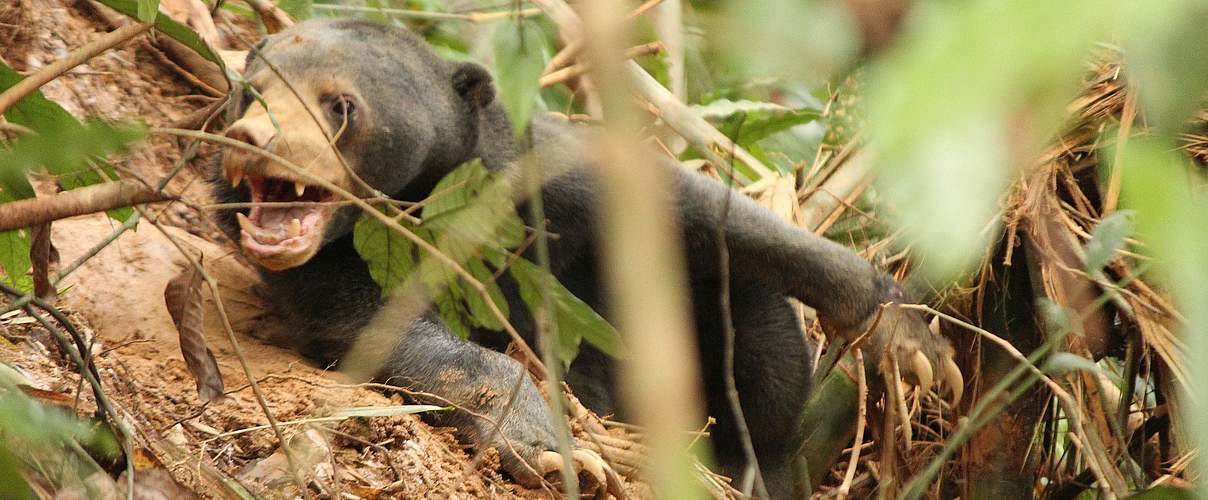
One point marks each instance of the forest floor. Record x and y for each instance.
(117, 299)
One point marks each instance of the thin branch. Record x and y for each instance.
(237, 349)
(75, 58)
(728, 339)
(861, 411)
(575, 70)
(1096, 461)
(473, 17)
(95, 198)
(703, 137)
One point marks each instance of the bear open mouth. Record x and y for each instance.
(287, 230)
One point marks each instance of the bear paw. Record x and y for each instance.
(903, 344)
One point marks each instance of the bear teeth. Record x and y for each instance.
(244, 223)
(300, 189)
(235, 175)
(295, 228)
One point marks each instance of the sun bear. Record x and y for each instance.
(400, 118)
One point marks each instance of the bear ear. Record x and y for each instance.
(473, 83)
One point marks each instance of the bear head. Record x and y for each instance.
(366, 107)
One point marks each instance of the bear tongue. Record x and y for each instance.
(274, 225)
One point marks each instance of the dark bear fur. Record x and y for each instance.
(420, 118)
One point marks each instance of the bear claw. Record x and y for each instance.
(596, 479)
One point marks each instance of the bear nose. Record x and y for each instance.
(255, 136)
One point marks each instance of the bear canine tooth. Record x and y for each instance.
(299, 188)
(245, 223)
(236, 175)
(295, 228)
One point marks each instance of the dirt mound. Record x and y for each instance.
(117, 298)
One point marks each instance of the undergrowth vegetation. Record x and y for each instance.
(1033, 169)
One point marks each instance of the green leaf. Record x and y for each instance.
(480, 311)
(1107, 238)
(1165, 41)
(520, 56)
(66, 152)
(300, 10)
(14, 258)
(1162, 185)
(748, 122)
(167, 26)
(386, 411)
(147, 10)
(63, 145)
(574, 319)
(1165, 493)
(455, 190)
(946, 107)
(390, 256)
(452, 313)
(12, 482)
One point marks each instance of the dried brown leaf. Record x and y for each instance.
(183, 298)
(39, 256)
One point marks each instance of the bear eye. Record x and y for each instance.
(340, 111)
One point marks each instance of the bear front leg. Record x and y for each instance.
(497, 403)
(845, 290)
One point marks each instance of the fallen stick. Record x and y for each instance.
(85, 200)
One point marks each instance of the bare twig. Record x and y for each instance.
(80, 201)
(575, 70)
(473, 17)
(1096, 460)
(727, 325)
(861, 411)
(236, 348)
(706, 139)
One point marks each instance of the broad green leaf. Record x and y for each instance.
(14, 258)
(12, 482)
(30, 421)
(573, 317)
(480, 311)
(1165, 42)
(972, 91)
(520, 57)
(300, 10)
(66, 153)
(63, 145)
(386, 411)
(748, 122)
(1107, 238)
(453, 313)
(1161, 185)
(1165, 493)
(167, 26)
(147, 10)
(455, 190)
(389, 255)
(804, 40)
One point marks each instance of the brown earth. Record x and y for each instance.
(117, 298)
